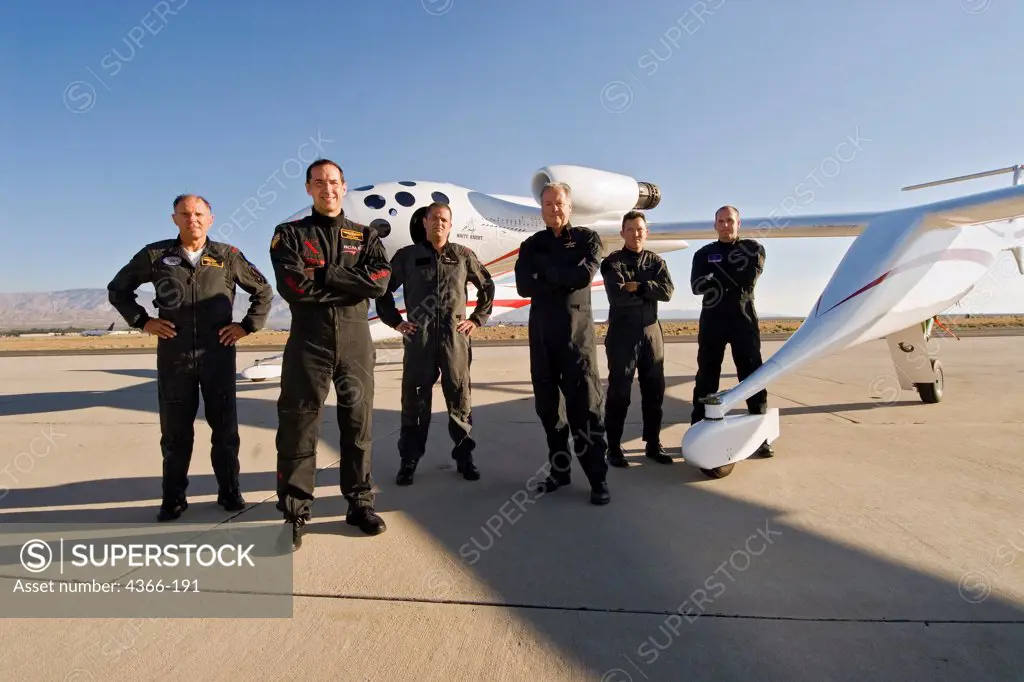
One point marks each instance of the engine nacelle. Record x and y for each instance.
(598, 192)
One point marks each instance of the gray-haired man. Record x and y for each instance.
(555, 269)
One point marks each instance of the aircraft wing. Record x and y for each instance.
(822, 225)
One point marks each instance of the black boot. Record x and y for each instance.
(657, 453)
(169, 511)
(766, 450)
(406, 472)
(367, 520)
(553, 482)
(616, 457)
(298, 530)
(232, 501)
(467, 468)
(599, 493)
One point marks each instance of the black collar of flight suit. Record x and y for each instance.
(432, 249)
(447, 251)
(319, 218)
(566, 232)
(179, 250)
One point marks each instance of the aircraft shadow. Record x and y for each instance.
(666, 535)
(841, 407)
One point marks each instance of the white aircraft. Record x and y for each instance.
(492, 225)
(98, 332)
(904, 268)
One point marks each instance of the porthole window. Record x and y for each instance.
(440, 196)
(375, 201)
(364, 188)
(405, 199)
(382, 226)
(407, 183)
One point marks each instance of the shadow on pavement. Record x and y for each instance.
(670, 547)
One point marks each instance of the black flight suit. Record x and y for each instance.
(725, 274)
(556, 272)
(635, 342)
(435, 298)
(199, 301)
(326, 268)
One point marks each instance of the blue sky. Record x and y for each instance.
(740, 105)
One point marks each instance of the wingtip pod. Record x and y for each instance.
(262, 372)
(713, 443)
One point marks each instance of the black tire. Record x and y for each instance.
(256, 381)
(932, 393)
(719, 472)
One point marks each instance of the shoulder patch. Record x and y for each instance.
(276, 240)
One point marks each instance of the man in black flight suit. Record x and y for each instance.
(635, 280)
(725, 273)
(555, 269)
(194, 279)
(435, 273)
(327, 267)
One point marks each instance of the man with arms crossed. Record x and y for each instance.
(635, 280)
(327, 267)
(555, 269)
(725, 272)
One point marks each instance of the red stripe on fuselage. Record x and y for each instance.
(973, 255)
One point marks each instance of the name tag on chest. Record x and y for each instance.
(715, 258)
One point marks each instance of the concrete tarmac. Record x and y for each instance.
(884, 541)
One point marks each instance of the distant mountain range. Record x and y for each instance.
(88, 308)
(77, 308)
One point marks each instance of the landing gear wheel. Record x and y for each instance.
(932, 393)
(719, 472)
(256, 381)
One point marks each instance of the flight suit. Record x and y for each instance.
(634, 341)
(725, 275)
(198, 300)
(435, 297)
(556, 273)
(327, 269)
